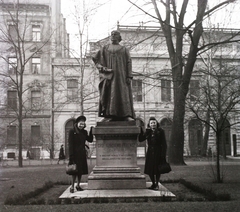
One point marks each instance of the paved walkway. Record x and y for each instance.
(12, 163)
(119, 194)
(197, 161)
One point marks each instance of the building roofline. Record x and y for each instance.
(150, 28)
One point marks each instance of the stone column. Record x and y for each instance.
(116, 157)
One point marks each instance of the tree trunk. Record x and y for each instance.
(205, 141)
(20, 164)
(20, 112)
(206, 135)
(176, 148)
(223, 146)
(218, 157)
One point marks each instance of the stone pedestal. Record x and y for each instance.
(116, 157)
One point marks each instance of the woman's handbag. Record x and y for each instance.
(71, 169)
(164, 168)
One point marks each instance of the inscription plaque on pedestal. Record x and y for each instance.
(116, 157)
(120, 153)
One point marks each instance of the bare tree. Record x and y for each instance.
(67, 92)
(17, 51)
(172, 23)
(73, 84)
(81, 16)
(219, 98)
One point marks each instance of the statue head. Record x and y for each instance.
(115, 36)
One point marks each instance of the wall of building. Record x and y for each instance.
(47, 13)
(150, 64)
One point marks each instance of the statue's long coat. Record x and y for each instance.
(115, 94)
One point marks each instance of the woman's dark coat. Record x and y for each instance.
(77, 152)
(156, 152)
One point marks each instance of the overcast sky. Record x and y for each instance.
(105, 19)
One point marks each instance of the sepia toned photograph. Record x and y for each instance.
(109, 105)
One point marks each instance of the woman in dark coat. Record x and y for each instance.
(156, 152)
(77, 153)
(61, 154)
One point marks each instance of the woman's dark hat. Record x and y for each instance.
(80, 118)
(152, 118)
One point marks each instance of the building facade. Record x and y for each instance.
(152, 89)
(57, 89)
(32, 34)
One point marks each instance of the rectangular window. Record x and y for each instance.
(36, 100)
(35, 135)
(12, 65)
(36, 65)
(12, 31)
(36, 32)
(11, 135)
(137, 90)
(72, 89)
(12, 100)
(194, 90)
(166, 90)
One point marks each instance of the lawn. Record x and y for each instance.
(15, 182)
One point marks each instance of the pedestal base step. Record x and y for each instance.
(117, 180)
(117, 183)
(117, 195)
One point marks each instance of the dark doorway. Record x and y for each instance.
(35, 153)
(225, 139)
(234, 145)
(195, 136)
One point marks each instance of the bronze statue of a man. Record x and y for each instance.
(115, 71)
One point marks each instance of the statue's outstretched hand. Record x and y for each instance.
(106, 70)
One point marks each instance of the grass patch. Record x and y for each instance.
(170, 181)
(35, 197)
(23, 198)
(208, 193)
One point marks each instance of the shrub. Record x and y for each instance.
(22, 199)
